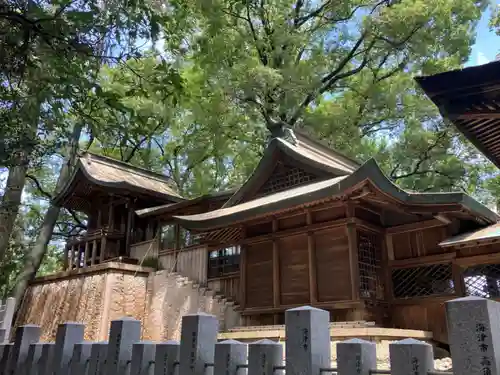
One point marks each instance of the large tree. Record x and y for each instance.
(345, 71)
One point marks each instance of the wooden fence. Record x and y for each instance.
(474, 326)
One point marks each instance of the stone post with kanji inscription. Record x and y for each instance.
(474, 335)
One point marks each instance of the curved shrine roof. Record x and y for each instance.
(329, 189)
(111, 173)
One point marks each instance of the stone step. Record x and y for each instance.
(356, 324)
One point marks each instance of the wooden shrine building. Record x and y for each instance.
(309, 226)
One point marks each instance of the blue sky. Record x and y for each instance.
(487, 44)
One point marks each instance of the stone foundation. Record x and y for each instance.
(96, 295)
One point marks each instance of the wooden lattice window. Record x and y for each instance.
(167, 236)
(224, 261)
(370, 280)
(187, 238)
(422, 281)
(482, 280)
(285, 176)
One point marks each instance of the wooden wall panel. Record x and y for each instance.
(418, 243)
(405, 245)
(328, 214)
(294, 270)
(430, 238)
(290, 222)
(427, 316)
(332, 262)
(259, 274)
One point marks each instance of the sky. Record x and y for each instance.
(487, 44)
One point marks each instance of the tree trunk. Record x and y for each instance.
(35, 257)
(11, 200)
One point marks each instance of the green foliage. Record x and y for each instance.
(201, 111)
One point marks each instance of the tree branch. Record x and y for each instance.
(39, 186)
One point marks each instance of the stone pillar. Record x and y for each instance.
(143, 355)
(5, 350)
(410, 356)
(8, 315)
(80, 358)
(229, 356)
(356, 357)
(25, 336)
(474, 335)
(97, 360)
(33, 359)
(264, 356)
(307, 340)
(45, 361)
(68, 334)
(198, 338)
(167, 358)
(123, 334)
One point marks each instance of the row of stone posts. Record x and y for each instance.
(7, 309)
(473, 325)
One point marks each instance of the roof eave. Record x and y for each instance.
(368, 171)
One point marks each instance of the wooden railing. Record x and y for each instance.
(190, 262)
(93, 247)
(143, 250)
(228, 286)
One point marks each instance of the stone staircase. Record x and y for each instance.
(171, 295)
(228, 317)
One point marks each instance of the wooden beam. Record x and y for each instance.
(479, 115)
(366, 225)
(293, 231)
(430, 259)
(478, 259)
(426, 224)
(329, 305)
(353, 260)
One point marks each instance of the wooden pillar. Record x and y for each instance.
(128, 228)
(86, 254)
(102, 257)
(276, 272)
(66, 258)
(70, 257)
(353, 251)
(243, 276)
(111, 219)
(78, 255)
(99, 213)
(311, 252)
(458, 280)
(389, 256)
(94, 253)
